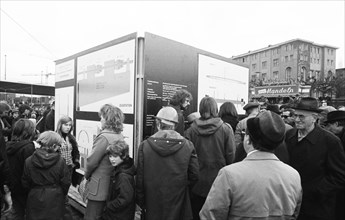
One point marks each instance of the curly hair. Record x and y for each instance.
(24, 129)
(113, 117)
(63, 120)
(118, 148)
(180, 96)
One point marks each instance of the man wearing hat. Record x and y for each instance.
(320, 160)
(260, 186)
(252, 109)
(167, 165)
(336, 124)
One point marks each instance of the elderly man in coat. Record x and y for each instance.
(260, 186)
(167, 167)
(320, 160)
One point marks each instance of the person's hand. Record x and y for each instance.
(8, 199)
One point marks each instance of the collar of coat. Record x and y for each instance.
(261, 155)
(312, 137)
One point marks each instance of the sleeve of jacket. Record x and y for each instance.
(65, 180)
(229, 145)
(335, 165)
(140, 191)
(125, 196)
(26, 178)
(238, 133)
(298, 206)
(193, 166)
(218, 201)
(98, 150)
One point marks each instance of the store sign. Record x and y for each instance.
(276, 90)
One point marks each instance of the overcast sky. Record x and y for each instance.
(36, 33)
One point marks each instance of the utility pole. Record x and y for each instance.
(5, 66)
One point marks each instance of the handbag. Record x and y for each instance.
(83, 189)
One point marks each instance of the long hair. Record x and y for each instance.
(180, 96)
(227, 108)
(24, 129)
(63, 120)
(208, 108)
(113, 117)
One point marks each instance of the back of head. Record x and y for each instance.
(208, 108)
(24, 129)
(266, 130)
(227, 108)
(113, 117)
(4, 107)
(49, 139)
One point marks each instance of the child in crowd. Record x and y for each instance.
(47, 179)
(121, 200)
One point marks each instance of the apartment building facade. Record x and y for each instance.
(296, 62)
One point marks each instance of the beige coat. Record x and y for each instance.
(98, 166)
(259, 187)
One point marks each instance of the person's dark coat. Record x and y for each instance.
(75, 156)
(46, 177)
(4, 168)
(281, 152)
(180, 125)
(50, 121)
(320, 160)
(167, 166)
(121, 199)
(215, 146)
(17, 153)
(231, 120)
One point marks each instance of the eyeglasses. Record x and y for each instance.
(301, 117)
(284, 116)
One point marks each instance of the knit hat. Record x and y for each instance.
(168, 115)
(266, 128)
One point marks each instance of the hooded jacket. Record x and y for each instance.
(121, 199)
(17, 152)
(167, 165)
(215, 146)
(46, 176)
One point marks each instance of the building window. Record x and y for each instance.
(254, 66)
(328, 51)
(253, 77)
(331, 52)
(286, 58)
(275, 74)
(318, 50)
(318, 61)
(291, 57)
(288, 73)
(331, 62)
(278, 50)
(327, 62)
(275, 62)
(264, 65)
(264, 75)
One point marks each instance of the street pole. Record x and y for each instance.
(5, 66)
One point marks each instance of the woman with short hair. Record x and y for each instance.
(98, 166)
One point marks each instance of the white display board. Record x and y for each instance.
(107, 76)
(64, 99)
(223, 81)
(64, 71)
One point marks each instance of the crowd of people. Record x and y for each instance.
(278, 162)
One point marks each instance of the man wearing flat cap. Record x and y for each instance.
(260, 186)
(252, 109)
(320, 160)
(167, 167)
